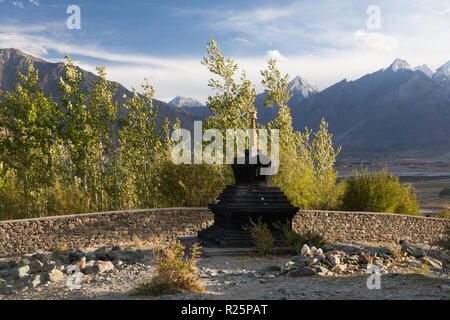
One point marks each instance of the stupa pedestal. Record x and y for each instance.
(251, 197)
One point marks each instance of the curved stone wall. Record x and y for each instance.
(108, 228)
(102, 228)
(371, 227)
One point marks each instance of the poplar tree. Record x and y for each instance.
(143, 146)
(27, 135)
(104, 113)
(306, 172)
(232, 99)
(78, 131)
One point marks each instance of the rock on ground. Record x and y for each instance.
(308, 276)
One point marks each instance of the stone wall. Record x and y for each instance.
(371, 227)
(95, 229)
(83, 230)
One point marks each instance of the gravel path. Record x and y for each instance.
(238, 277)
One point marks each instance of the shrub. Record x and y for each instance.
(188, 185)
(173, 272)
(295, 241)
(306, 174)
(378, 193)
(262, 237)
(313, 239)
(445, 213)
(445, 192)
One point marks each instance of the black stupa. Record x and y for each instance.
(251, 197)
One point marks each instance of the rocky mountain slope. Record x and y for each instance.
(393, 110)
(13, 60)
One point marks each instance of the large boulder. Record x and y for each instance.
(101, 254)
(98, 267)
(302, 271)
(20, 272)
(413, 250)
(55, 276)
(75, 255)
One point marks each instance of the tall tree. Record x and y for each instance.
(143, 146)
(27, 135)
(306, 172)
(232, 99)
(104, 110)
(78, 129)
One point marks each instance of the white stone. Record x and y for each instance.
(306, 251)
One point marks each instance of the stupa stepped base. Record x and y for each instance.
(239, 203)
(223, 238)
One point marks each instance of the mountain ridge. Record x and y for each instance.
(13, 60)
(396, 110)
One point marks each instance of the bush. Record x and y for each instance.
(295, 241)
(262, 237)
(378, 193)
(189, 185)
(445, 213)
(173, 271)
(306, 174)
(444, 193)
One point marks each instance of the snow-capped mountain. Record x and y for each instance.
(299, 85)
(185, 102)
(425, 69)
(393, 110)
(399, 64)
(443, 72)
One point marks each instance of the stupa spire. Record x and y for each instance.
(253, 135)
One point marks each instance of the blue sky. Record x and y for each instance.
(323, 41)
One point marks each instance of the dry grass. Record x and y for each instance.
(368, 257)
(174, 271)
(397, 254)
(137, 242)
(262, 237)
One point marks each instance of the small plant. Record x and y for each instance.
(445, 213)
(313, 239)
(262, 237)
(61, 247)
(367, 257)
(295, 241)
(396, 254)
(173, 271)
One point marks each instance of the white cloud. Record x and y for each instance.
(187, 77)
(375, 41)
(240, 39)
(18, 4)
(323, 49)
(275, 54)
(35, 2)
